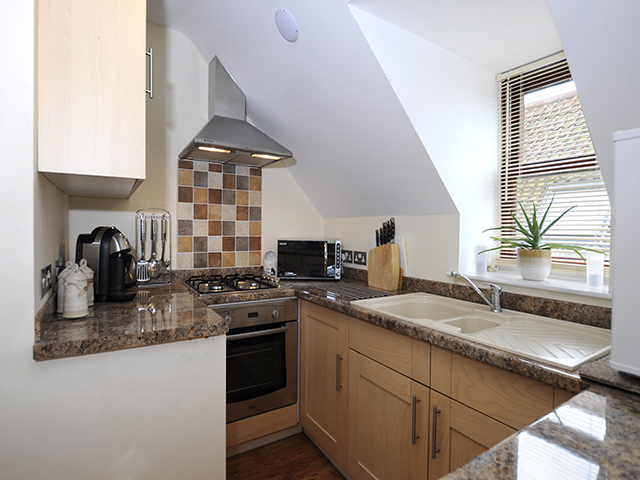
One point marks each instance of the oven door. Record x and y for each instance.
(262, 370)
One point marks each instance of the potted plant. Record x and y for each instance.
(533, 254)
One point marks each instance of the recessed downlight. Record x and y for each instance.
(287, 25)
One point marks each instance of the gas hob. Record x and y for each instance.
(239, 283)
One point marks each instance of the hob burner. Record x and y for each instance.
(211, 284)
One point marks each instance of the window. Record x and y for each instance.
(546, 154)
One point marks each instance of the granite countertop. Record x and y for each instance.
(594, 435)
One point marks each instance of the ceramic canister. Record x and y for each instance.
(75, 294)
(84, 268)
(61, 276)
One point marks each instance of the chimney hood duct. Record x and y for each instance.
(228, 137)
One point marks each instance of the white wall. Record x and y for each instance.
(430, 240)
(452, 104)
(175, 114)
(153, 412)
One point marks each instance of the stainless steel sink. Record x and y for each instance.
(553, 342)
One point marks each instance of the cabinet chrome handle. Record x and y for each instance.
(150, 55)
(338, 384)
(414, 400)
(434, 449)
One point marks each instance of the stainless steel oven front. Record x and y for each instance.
(262, 356)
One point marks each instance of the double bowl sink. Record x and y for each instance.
(553, 342)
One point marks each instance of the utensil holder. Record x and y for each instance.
(159, 264)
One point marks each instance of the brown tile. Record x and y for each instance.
(229, 259)
(185, 194)
(200, 260)
(185, 227)
(255, 214)
(228, 244)
(215, 196)
(255, 172)
(187, 164)
(242, 244)
(200, 212)
(215, 167)
(229, 181)
(200, 244)
(185, 178)
(215, 227)
(200, 195)
(200, 179)
(215, 259)
(228, 197)
(242, 182)
(255, 184)
(215, 212)
(255, 258)
(255, 243)
(242, 198)
(242, 213)
(185, 244)
(255, 229)
(226, 168)
(228, 228)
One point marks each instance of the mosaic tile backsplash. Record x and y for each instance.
(219, 215)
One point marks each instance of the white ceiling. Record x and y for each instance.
(497, 35)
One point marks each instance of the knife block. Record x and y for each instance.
(384, 267)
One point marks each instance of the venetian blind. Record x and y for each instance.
(546, 154)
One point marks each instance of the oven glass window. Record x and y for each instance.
(255, 367)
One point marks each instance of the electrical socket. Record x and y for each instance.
(360, 258)
(45, 280)
(347, 256)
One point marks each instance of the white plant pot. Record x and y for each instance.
(534, 264)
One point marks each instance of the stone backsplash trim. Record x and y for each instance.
(219, 215)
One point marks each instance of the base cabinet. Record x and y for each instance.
(324, 345)
(388, 423)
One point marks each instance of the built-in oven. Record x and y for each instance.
(262, 355)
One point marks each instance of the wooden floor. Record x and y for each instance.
(294, 458)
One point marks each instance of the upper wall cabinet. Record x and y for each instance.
(91, 81)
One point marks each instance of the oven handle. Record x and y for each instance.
(261, 333)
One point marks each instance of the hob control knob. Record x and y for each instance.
(275, 313)
(227, 318)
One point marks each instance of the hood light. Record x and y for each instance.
(265, 156)
(214, 149)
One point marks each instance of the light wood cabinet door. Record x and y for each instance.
(91, 81)
(324, 381)
(388, 423)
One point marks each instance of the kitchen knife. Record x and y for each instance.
(377, 238)
(392, 228)
(383, 234)
(386, 232)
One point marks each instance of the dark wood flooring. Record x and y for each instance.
(294, 458)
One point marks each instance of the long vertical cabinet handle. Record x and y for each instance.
(150, 55)
(434, 449)
(338, 384)
(414, 400)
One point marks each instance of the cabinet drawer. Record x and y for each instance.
(508, 397)
(403, 354)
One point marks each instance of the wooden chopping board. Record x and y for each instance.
(384, 267)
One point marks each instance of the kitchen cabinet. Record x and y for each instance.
(324, 377)
(91, 69)
(388, 423)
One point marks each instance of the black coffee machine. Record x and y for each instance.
(107, 252)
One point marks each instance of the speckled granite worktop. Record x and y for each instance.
(595, 435)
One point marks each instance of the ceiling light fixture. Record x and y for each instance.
(287, 25)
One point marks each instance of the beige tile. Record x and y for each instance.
(255, 258)
(185, 211)
(201, 228)
(185, 177)
(242, 229)
(242, 259)
(200, 195)
(185, 260)
(255, 199)
(215, 212)
(215, 180)
(215, 244)
(241, 170)
(242, 198)
(229, 259)
(201, 166)
(185, 244)
(255, 229)
(228, 212)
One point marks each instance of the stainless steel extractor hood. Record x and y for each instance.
(228, 137)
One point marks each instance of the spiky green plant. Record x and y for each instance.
(533, 233)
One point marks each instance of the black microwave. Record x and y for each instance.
(310, 259)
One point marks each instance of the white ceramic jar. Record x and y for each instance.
(61, 276)
(84, 268)
(75, 294)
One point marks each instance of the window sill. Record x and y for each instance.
(568, 284)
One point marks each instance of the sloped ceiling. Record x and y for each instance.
(327, 99)
(324, 97)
